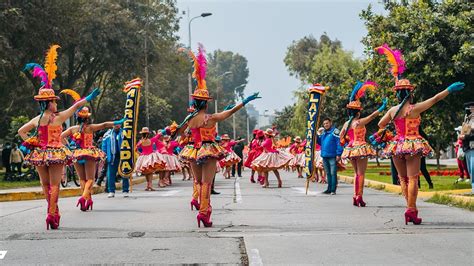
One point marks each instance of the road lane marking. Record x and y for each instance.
(170, 193)
(254, 258)
(303, 190)
(238, 195)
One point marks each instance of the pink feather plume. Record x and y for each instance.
(202, 61)
(39, 72)
(394, 57)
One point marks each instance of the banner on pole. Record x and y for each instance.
(315, 93)
(129, 127)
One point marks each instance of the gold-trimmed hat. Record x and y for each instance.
(84, 112)
(403, 84)
(144, 130)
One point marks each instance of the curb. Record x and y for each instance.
(397, 190)
(63, 193)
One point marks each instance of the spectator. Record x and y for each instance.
(331, 151)
(16, 159)
(460, 158)
(238, 149)
(7, 149)
(467, 136)
(111, 146)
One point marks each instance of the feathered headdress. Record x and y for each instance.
(199, 74)
(395, 59)
(46, 74)
(358, 92)
(83, 112)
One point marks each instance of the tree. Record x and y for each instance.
(436, 40)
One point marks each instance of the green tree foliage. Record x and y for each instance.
(102, 45)
(228, 88)
(436, 40)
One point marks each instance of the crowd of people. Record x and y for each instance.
(193, 146)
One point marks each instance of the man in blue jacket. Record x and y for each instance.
(331, 151)
(111, 146)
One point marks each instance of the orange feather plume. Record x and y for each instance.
(72, 93)
(50, 63)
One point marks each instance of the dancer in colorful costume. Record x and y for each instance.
(407, 147)
(205, 153)
(356, 149)
(184, 141)
(271, 159)
(231, 158)
(172, 162)
(297, 150)
(86, 156)
(149, 161)
(48, 155)
(255, 150)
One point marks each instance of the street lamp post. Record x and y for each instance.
(219, 81)
(233, 115)
(203, 15)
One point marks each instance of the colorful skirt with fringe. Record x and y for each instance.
(361, 151)
(150, 163)
(405, 146)
(268, 161)
(93, 154)
(206, 151)
(230, 159)
(49, 156)
(298, 160)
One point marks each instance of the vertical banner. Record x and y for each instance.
(129, 127)
(316, 91)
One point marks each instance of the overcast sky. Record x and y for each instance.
(261, 30)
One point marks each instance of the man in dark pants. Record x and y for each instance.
(331, 151)
(238, 149)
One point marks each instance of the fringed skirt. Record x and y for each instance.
(150, 163)
(93, 154)
(401, 147)
(49, 156)
(230, 159)
(206, 151)
(358, 152)
(268, 161)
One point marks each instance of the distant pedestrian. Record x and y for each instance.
(111, 146)
(331, 151)
(7, 149)
(239, 150)
(16, 159)
(467, 136)
(461, 158)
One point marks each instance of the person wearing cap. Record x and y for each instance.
(353, 132)
(111, 143)
(48, 154)
(231, 158)
(255, 150)
(408, 146)
(331, 151)
(149, 161)
(297, 150)
(271, 159)
(467, 136)
(86, 156)
(205, 152)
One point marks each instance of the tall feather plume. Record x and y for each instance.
(72, 93)
(50, 63)
(202, 67)
(368, 85)
(395, 59)
(355, 90)
(38, 71)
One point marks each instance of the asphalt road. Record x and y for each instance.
(251, 226)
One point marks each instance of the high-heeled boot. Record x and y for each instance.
(411, 215)
(205, 209)
(356, 184)
(52, 220)
(360, 191)
(88, 195)
(195, 200)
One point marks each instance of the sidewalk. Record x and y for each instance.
(442, 162)
(34, 193)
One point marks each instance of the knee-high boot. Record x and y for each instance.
(411, 213)
(404, 186)
(53, 212)
(360, 191)
(356, 184)
(87, 194)
(195, 199)
(205, 208)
